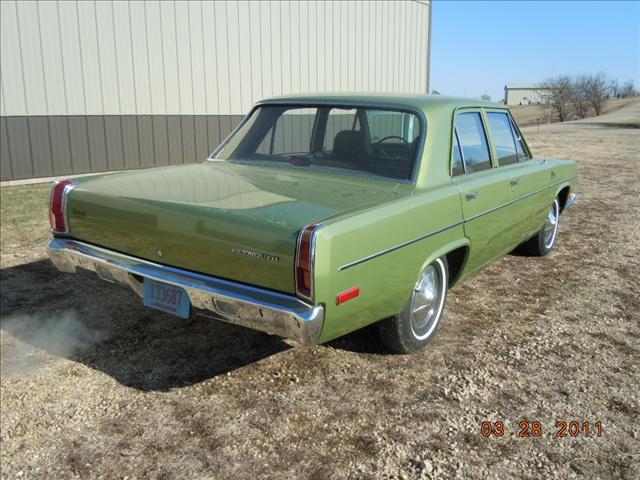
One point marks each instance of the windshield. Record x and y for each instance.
(372, 141)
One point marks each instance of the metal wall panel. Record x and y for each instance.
(113, 141)
(40, 146)
(195, 58)
(112, 84)
(5, 157)
(174, 138)
(79, 145)
(60, 144)
(130, 142)
(160, 140)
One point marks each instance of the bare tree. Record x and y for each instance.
(597, 89)
(558, 92)
(579, 97)
(628, 89)
(614, 88)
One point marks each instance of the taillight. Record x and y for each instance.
(57, 210)
(304, 262)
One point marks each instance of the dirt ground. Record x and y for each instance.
(93, 385)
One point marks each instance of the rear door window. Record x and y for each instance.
(502, 136)
(473, 142)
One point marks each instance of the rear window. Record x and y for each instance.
(373, 141)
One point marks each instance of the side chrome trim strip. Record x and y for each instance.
(388, 250)
(423, 237)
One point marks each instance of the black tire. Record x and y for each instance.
(545, 239)
(400, 333)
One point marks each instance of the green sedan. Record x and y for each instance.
(320, 215)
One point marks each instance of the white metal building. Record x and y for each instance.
(94, 86)
(524, 94)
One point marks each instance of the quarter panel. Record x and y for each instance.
(391, 243)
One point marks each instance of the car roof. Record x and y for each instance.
(424, 102)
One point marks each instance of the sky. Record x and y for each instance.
(478, 47)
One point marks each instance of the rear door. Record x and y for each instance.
(527, 178)
(485, 190)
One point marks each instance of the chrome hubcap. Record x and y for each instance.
(550, 228)
(427, 301)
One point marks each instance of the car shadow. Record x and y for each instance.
(366, 340)
(105, 327)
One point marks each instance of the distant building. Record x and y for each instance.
(524, 94)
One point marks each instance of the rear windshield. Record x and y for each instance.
(364, 140)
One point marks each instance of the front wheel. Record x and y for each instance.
(543, 242)
(415, 326)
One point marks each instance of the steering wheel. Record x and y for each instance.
(390, 137)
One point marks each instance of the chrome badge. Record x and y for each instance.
(250, 253)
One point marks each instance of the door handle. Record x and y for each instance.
(472, 195)
(515, 181)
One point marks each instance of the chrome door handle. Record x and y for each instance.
(472, 195)
(515, 181)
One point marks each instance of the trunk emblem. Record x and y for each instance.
(250, 253)
(159, 252)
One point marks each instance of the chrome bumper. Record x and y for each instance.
(260, 309)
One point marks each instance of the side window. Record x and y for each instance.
(456, 157)
(520, 148)
(473, 142)
(502, 136)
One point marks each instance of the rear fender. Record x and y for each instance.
(444, 250)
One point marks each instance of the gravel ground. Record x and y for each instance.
(93, 385)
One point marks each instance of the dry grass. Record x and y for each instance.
(93, 385)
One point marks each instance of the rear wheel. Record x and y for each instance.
(544, 241)
(415, 326)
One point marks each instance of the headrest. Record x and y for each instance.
(349, 145)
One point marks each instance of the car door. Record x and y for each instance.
(527, 178)
(484, 190)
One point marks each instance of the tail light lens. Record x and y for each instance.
(304, 262)
(57, 207)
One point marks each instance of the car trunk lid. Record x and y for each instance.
(230, 220)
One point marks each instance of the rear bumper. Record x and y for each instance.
(256, 308)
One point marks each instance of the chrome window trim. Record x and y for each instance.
(464, 166)
(519, 132)
(431, 234)
(394, 107)
(480, 112)
(513, 139)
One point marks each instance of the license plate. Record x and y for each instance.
(167, 298)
